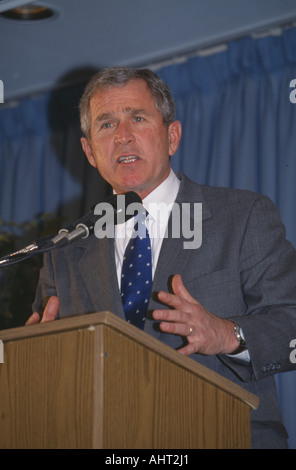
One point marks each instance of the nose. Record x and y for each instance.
(123, 134)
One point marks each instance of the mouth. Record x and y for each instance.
(127, 159)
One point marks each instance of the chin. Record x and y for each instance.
(132, 185)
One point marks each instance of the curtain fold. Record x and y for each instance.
(239, 130)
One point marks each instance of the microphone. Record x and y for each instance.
(29, 250)
(86, 226)
(33, 248)
(82, 228)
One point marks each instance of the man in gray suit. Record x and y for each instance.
(229, 304)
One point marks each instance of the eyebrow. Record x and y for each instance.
(128, 110)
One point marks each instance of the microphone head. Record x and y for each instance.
(116, 202)
(131, 196)
(119, 203)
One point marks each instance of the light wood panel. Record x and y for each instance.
(165, 407)
(94, 381)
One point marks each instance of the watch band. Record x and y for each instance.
(238, 334)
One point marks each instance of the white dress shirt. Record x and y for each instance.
(158, 204)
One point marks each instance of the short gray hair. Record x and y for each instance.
(120, 76)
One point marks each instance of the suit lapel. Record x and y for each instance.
(97, 270)
(173, 258)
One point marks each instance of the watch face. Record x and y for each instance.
(239, 335)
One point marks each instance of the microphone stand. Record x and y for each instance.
(81, 229)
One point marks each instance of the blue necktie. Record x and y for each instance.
(136, 275)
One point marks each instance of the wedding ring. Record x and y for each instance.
(190, 330)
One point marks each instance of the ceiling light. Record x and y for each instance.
(28, 12)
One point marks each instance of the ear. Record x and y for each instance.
(88, 151)
(175, 133)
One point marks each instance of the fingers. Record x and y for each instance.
(51, 309)
(205, 333)
(180, 294)
(180, 290)
(181, 302)
(188, 349)
(177, 320)
(33, 319)
(188, 318)
(173, 321)
(49, 314)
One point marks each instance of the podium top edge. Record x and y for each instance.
(91, 320)
(56, 326)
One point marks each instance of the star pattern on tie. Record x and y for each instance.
(136, 277)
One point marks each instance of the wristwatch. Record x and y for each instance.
(239, 336)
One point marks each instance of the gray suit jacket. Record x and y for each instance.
(245, 270)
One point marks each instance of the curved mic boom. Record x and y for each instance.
(82, 228)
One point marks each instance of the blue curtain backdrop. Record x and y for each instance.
(239, 129)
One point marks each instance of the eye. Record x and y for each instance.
(139, 119)
(106, 125)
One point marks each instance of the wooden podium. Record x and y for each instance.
(94, 381)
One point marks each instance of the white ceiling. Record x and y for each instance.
(86, 35)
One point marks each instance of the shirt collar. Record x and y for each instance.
(160, 201)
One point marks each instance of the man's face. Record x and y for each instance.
(129, 143)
